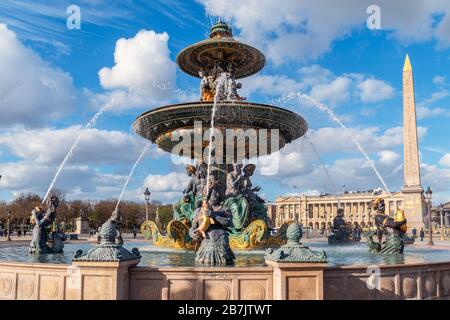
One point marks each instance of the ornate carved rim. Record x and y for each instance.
(202, 55)
(159, 124)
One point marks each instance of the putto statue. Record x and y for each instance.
(394, 230)
(342, 230)
(46, 229)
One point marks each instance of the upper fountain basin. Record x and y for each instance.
(206, 54)
(159, 125)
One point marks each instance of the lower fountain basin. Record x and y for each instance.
(345, 255)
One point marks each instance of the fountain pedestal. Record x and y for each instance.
(101, 280)
(81, 226)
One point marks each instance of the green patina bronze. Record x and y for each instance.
(294, 251)
(110, 248)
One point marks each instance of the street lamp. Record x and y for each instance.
(428, 195)
(147, 195)
(306, 222)
(443, 231)
(326, 226)
(157, 217)
(7, 226)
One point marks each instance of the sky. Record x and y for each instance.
(54, 78)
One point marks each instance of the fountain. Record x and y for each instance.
(237, 131)
(292, 271)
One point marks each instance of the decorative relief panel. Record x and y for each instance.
(218, 289)
(183, 289)
(49, 288)
(6, 285)
(253, 289)
(26, 286)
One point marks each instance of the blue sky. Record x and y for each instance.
(53, 80)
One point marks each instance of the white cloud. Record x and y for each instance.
(323, 85)
(32, 93)
(388, 157)
(373, 90)
(425, 110)
(166, 188)
(439, 80)
(303, 29)
(49, 146)
(143, 73)
(76, 181)
(445, 160)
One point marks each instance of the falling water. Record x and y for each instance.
(131, 174)
(69, 154)
(324, 108)
(220, 87)
(313, 148)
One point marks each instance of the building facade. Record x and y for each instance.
(319, 211)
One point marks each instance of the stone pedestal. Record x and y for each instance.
(414, 206)
(82, 226)
(297, 281)
(100, 280)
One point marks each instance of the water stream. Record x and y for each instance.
(69, 154)
(324, 167)
(124, 188)
(322, 107)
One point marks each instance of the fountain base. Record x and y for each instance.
(255, 236)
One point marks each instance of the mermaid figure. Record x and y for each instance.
(394, 230)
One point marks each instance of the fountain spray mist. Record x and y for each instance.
(324, 108)
(69, 154)
(124, 188)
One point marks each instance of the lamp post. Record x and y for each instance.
(326, 227)
(441, 209)
(306, 222)
(8, 226)
(428, 195)
(147, 195)
(157, 217)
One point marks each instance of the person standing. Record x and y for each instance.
(422, 234)
(414, 233)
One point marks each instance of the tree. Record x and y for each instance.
(21, 208)
(165, 214)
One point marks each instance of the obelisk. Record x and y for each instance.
(412, 189)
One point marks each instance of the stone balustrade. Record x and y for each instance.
(125, 280)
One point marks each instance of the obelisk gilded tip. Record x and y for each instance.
(407, 66)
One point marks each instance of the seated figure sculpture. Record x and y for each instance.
(394, 230)
(342, 231)
(228, 89)
(210, 226)
(184, 209)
